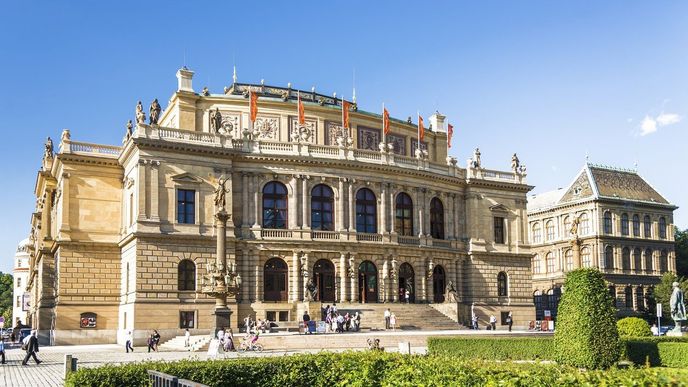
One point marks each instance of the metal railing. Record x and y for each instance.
(160, 379)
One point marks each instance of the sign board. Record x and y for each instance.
(659, 310)
(548, 313)
(321, 327)
(87, 320)
(26, 302)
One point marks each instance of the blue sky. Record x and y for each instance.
(553, 81)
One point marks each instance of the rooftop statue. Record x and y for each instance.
(140, 114)
(216, 120)
(48, 148)
(129, 127)
(476, 158)
(154, 110)
(515, 163)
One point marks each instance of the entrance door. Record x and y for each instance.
(324, 280)
(438, 284)
(406, 282)
(367, 282)
(275, 280)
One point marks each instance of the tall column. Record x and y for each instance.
(392, 213)
(342, 277)
(295, 275)
(339, 218)
(417, 228)
(154, 193)
(246, 274)
(47, 214)
(292, 203)
(394, 275)
(383, 208)
(353, 276)
(304, 202)
(221, 312)
(421, 296)
(258, 273)
(307, 270)
(142, 189)
(430, 290)
(448, 219)
(256, 201)
(352, 203)
(245, 221)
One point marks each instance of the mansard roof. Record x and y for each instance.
(596, 182)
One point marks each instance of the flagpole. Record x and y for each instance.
(384, 134)
(250, 121)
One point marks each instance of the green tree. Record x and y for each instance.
(681, 238)
(7, 314)
(6, 292)
(586, 334)
(662, 293)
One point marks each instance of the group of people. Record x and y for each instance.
(29, 344)
(390, 320)
(493, 322)
(258, 325)
(153, 341)
(340, 322)
(226, 338)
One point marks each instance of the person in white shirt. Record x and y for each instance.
(187, 338)
(387, 314)
(493, 322)
(393, 321)
(654, 330)
(130, 342)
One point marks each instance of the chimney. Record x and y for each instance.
(184, 76)
(437, 122)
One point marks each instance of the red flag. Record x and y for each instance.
(385, 121)
(302, 115)
(450, 133)
(421, 130)
(345, 113)
(253, 106)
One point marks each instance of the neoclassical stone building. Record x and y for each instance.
(123, 235)
(624, 228)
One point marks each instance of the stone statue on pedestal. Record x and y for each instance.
(220, 193)
(515, 163)
(678, 307)
(450, 293)
(476, 158)
(574, 227)
(48, 148)
(216, 120)
(154, 110)
(140, 114)
(311, 290)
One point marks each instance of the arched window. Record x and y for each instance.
(438, 284)
(648, 261)
(186, 275)
(275, 280)
(551, 263)
(502, 285)
(274, 205)
(624, 224)
(567, 226)
(584, 224)
(586, 259)
(647, 226)
(608, 222)
(403, 224)
(569, 259)
(436, 219)
(323, 271)
(636, 225)
(626, 259)
(612, 293)
(637, 260)
(662, 228)
(537, 232)
(322, 204)
(549, 228)
(367, 282)
(609, 257)
(663, 262)
(639, 298)
(537, 264)
(366, 211)
(628, 296)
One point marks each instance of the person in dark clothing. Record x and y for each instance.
(2, 349)
(509, 321)
(306, 319)
(31, 349)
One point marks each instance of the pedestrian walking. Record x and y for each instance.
(156, 340)
(129, 342)
(393, 321)
(150, 343)
(493, 322)
(509, 321)
(187, 338)
(2, 349)
(306, 320)
(31, 348)
(387, 314)
(474, 321)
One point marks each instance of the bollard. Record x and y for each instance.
(69, 365)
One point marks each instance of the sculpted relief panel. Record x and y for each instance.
(307, 132)
(333, 131)
(267, 128)
(414, 146)
(368, 138)
(225, 123)
(399, 143)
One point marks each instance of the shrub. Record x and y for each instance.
(633, 327)
(489, 348)
(656, 351)
(371, 369)
(586, 334)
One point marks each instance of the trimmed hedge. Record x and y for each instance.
(371, 369)
(633, 327)
(586, 334)
(488, 348)
(654, 351)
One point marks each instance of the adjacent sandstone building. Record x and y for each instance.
(618, 223)
(124, 236)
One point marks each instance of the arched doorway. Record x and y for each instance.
(324, 280)
(406, 282)
(438, 283)
(275, 280)
(367, 282)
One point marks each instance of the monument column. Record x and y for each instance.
(342, 277)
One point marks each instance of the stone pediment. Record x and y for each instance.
(187, 178)
(499, 208)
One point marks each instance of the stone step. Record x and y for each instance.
(177, 343)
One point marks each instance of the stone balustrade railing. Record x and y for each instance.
(304, 149)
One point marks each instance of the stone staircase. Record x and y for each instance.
(409, 316)
(177, 343)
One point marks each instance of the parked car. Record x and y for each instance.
(7, 333)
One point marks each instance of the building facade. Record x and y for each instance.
(622, 226)
(124, 235)
(20, 273)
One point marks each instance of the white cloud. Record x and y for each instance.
(650, 124)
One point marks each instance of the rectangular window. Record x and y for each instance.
(499, 229)
(186, 319)
(284, 315)
(18, 302)
(504, 316)
(186, 206)
(270, 316)
(19, 282)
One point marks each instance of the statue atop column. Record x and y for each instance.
(48, 148)
(154, 110)
(678, 307)
(476, 158)
(140, 114)
(515, 163)
(220, 193)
